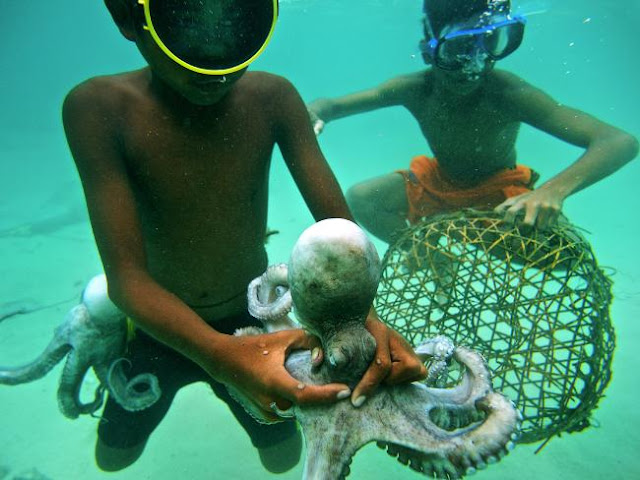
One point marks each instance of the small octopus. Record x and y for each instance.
(93, 335)
(329, 283)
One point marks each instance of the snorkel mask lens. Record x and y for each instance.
(211, 37)
(503, 41)
(495, 40)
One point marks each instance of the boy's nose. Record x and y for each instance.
(476, 62)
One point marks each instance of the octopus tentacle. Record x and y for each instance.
(475, 383)
(463, 449)
(440, 349)
(266, 300)
(322, 452)
(133, 395)
(49, 358)
(69, 401)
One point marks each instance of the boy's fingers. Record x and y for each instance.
(531, 215)
(301, 393)
(373, 377)
(301, 340)
(511, 213)
(548, 218)
(406, 365)
(503, 206)
(406, 372)
(543, 220)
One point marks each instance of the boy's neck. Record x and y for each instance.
(456, 89)
(169, 97)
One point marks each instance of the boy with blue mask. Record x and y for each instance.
(470, 114)
(174, 160)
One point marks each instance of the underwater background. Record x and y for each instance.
(579, 51)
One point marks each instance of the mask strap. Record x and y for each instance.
(138, 14)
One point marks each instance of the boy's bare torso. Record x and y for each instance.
(471, 135)
(200, 179)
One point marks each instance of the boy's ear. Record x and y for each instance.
(122, 13)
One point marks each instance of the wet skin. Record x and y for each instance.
(175, 168)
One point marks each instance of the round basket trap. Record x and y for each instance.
(535, 305)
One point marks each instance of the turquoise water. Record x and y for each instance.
(581, 52)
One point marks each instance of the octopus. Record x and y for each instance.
(93, 335)
(445, 431)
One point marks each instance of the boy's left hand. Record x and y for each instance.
(541, 208)
(395, 362)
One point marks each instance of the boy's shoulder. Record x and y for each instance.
(408, 81)
(404, 88)
(266, 78)
(105, 91)
(505, 83)
(266, 83)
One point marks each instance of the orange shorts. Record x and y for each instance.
(431, 191)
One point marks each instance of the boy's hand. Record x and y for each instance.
(395, 362)
(254, 365)
(316, 122)
(541, 208)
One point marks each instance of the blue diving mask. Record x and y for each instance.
(469, 45)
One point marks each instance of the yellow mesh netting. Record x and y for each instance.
(535, 305)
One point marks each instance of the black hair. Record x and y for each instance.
(440, 13)
(120, 10)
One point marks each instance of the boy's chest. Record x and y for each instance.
(464, 130)
(476, 118)
(189, 162)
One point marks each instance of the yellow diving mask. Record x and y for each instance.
(211, 37)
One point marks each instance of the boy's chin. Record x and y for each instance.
(464, 84)
(463, 88)
(203, 99)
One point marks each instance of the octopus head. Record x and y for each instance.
(95, 298)
(333, 274)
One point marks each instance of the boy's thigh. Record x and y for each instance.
(120, 428)
(386, 192)
(123, 429)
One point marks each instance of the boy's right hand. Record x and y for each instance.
(316, 122)
(254, 365)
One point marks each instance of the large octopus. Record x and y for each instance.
(94, 334)
(330, 283)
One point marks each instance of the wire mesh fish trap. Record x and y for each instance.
(535, 305)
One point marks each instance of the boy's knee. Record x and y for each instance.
(282, 456)
(110, 459)
(360, 199)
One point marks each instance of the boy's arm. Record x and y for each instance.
(395, 362)
(606, 150)
(93, 131)
(324, 110)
